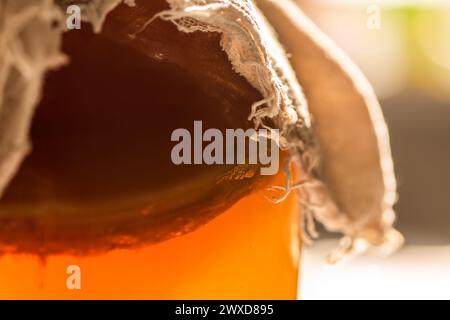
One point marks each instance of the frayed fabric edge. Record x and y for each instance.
(266, 67)
(24, 63)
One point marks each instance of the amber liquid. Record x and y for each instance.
(251, 251)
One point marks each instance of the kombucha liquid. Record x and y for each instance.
(250, 251)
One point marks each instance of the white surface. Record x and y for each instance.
(415, 272)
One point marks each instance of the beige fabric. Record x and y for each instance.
(29, 46)
(355, 186)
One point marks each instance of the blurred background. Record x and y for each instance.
(403, 47)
